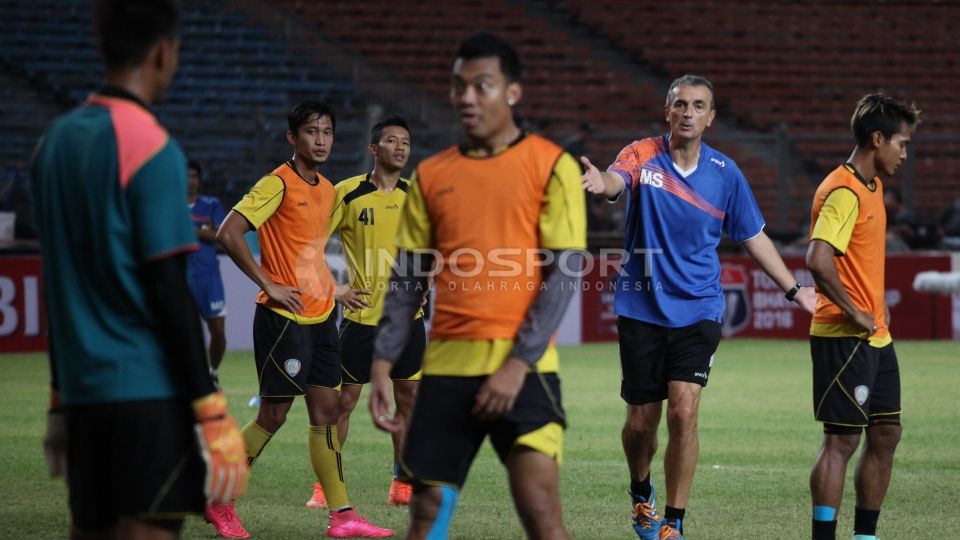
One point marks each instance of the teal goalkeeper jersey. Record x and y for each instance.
(109, 194)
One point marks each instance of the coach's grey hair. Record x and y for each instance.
(691, 80)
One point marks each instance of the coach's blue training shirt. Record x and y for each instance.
(671, 276)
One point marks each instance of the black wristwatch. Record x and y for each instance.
(792, 293)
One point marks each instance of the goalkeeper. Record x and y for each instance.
(131, 392)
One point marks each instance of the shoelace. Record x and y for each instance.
(226, 514)
(645, 514)
(671, 533)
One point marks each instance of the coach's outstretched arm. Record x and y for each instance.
(762, 250)
(599, 182)
(231, 238)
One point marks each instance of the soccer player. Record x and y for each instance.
(682, 196)
(503, 218)
(366, 213)
(130, 384)
(294, 336)
(204, 269)
(856, 379)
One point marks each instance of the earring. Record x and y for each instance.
(510, 102)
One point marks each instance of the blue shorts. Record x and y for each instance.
(207, 289)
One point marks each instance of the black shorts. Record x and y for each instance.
(653, 355)
(444, 436)
(854, 384)
(133, 459)
(356, 345)
(292, 356)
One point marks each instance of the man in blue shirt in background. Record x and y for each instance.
(203, 266)
(682, 197)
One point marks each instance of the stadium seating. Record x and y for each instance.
(780, 67)
(565, 84)
(566, 81)
(227, 106)
(804, 64)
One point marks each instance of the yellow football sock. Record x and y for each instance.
(255, 438)
(325, 457)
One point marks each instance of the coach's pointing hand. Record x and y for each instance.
(498, 393)
(603, 183)
(592, 181)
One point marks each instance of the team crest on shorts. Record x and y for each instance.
(736, 312)
(292, 366)
(860, 393)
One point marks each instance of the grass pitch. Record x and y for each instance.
(757, 443)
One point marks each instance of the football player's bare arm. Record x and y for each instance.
(231, 238)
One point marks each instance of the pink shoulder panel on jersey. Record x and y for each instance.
(139, 135)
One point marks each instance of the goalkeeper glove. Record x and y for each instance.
(222, 447)
(55, 440)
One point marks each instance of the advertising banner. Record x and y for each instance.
(23, 326)
(755, 306)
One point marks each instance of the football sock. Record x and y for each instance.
(328, 466)
(674, 517)
(448, 504)
(641, 488)
(824, 523)
(255, 437)
(397, 471)
(865, 521)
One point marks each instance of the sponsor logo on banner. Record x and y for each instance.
(736, 312)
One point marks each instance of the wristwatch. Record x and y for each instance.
(792, 293)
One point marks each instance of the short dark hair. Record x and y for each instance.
(126, 30)
(692, 80)
(486, 45)
(305, 109)
(195, 165)
(391, 120)
(877, 112)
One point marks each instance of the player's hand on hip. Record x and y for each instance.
(592, 181)
(55, 439)
(806, 297)
(287, 296)
(864, 320)
(380, 396)
(222, 447)
(352, 299)
(498, 392)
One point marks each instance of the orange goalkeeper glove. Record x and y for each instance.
(222, 447)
